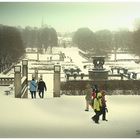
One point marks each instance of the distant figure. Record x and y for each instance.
(50, 58)
(41, 88)
(88, 97)
(33, 87)
(95, 88)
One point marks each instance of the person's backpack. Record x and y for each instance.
(94, 95)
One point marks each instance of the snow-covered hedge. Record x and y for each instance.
(113, 87)
(108, 92)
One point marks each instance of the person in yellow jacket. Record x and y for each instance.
(97, 107)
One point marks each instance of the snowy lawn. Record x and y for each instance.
(65, 117)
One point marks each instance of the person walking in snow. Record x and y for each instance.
(41, 88)
(88, 97)
(33, 87)
(97, 107)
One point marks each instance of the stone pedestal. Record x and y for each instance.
(97, 74)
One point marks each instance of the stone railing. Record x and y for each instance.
(5, 81)
(123, 72)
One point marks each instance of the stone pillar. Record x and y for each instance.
(17, 81)
(56, 89)
(25, 73)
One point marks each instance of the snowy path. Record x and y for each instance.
(65, 117)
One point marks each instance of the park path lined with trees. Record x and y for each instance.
(104, 42)
(14, 40)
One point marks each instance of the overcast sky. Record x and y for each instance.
(64, 16)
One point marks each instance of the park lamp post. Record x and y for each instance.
(17, 69)
(57, 68)
(25, 62)
(25, 67)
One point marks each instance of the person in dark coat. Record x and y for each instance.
(41, 88)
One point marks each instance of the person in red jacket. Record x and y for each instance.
(95, 90)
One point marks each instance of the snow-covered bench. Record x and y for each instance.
(9, 90)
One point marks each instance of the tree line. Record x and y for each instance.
(39, 37)
(104, 41)
(14, 40)
(11, 45)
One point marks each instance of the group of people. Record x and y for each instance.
(96, 99)
(39, 86)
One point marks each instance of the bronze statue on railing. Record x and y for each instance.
(98, 72)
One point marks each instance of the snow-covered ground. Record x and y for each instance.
(65, 116)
